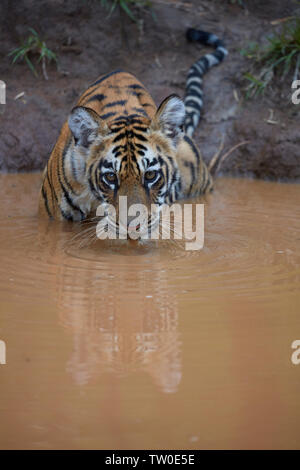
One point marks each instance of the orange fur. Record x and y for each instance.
(123, 114)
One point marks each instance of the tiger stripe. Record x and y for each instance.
(193, 96)
(115, 135)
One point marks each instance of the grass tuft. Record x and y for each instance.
(276, 59)
(126, 6)
(34, 45)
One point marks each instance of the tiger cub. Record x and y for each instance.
(117, 143)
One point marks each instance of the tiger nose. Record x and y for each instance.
(132, 227)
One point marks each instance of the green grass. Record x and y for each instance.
(34, 45)
(278, 58)
(126, 6)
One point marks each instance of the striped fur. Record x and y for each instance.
(193, 95)
(117, 143)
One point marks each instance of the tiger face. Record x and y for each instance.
(131, 156)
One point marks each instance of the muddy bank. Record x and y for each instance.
(89, 44)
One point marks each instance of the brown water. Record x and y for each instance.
(158, 348)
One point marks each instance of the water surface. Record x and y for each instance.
(156, 348)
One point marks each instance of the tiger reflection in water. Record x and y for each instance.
(123, 318)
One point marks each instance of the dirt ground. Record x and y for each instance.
(89, 44)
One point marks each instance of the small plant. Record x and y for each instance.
(125, 5)
(34, 46)
(276, 59)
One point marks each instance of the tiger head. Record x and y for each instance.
(132, 156)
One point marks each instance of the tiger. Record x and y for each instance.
(116, 142)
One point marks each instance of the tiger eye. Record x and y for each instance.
(110, 177)
(150, 175)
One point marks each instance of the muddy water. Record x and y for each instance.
(157, 348)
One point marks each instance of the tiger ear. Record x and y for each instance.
(84, 124)
(169, 117)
